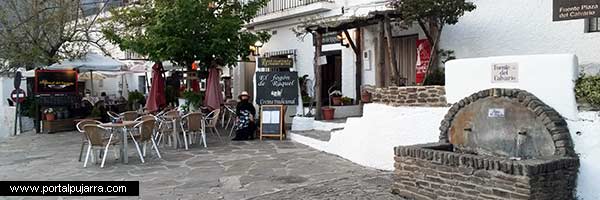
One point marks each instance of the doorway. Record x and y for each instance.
(405, 48)
(331, 74)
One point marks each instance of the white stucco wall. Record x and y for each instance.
(514, 27)
(549, 77)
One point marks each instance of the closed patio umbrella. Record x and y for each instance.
(213, 97)
(156, 98)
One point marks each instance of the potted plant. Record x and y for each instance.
(134, 99)
(336, 98)
(328, 113)
(192, 100)
(49, 114)
(365, 96)
(346, 101)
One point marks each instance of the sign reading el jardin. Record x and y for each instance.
(275, 63)
(277, 88)
(505, 72)
(55, 81)
(575, 9)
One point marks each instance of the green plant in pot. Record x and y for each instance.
(346, 101)
(134, 100)
(336, 97)
(193, 100)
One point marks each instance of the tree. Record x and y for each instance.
(432, 16)
(42, 32)
(184, 31)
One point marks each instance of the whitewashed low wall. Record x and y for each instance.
(7, 121)
(370, 140)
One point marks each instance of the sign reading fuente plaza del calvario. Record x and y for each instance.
(575, 9)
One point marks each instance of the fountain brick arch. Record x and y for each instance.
(546, 123)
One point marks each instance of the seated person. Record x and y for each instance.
(245, 118)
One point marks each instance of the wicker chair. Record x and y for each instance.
(97, 140)
(192, 124)
(129, 115)
(84, 139)
(146, 130)
(145, 117)
(113, 115)
(211, 120)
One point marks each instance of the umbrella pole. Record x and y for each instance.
(146, 81)
(92, 82)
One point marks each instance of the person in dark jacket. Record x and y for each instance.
(245, 112)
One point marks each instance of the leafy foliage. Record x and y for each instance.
(587, 89)
(193, 98)
(184, 31)
(134, 98)
(436, 77)
(27, 108)
(42, 32)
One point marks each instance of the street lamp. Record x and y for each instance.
(342, 37)
(256, 48)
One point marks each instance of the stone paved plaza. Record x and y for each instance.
(231, 170)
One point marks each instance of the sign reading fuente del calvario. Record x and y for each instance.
(575, 9)
(277, 88)
(275, 62)
(55, 81)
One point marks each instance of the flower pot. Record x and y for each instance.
(336, 101)
(50, 117)
(328, 113)
(365, 97)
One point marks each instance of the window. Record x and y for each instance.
(593, 25)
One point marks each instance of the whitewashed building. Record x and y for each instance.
(494, 28)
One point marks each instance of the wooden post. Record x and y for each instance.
(381, 56)
(359, 62)
(317, 69)
(390, 53)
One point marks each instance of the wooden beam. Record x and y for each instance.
(390, 53)
(381, 69)
(352, 44)
(317, 69)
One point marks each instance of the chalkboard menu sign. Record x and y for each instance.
(277, 88)
(271, 121)
(56, 82)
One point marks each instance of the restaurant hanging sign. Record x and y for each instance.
(277, 88)
(55, 81)
(575, 9)
(275, 63)
(423, 57)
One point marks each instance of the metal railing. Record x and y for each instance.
(281, 5)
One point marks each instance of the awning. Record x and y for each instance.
(91, 62)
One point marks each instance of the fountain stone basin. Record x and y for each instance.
(494, 144)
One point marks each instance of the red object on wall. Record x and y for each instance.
(423, 57)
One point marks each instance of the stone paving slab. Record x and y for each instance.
(324, 136)
(270, 169)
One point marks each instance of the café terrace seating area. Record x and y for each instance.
(145, 133)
